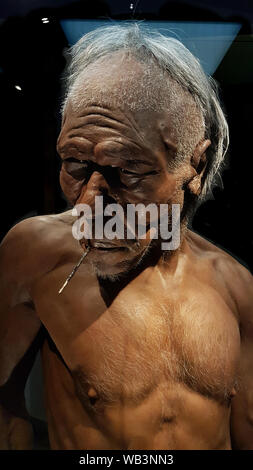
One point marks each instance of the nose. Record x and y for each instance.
(96, 186)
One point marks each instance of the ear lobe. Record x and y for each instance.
(199, 163)
(195, 186)
(199, 155)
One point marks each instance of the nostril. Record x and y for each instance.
(103, 180)
(103, 191)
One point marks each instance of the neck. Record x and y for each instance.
(156, 257)
(170, 258)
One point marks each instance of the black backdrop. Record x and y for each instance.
(31, 63)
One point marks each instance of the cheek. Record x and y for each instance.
(156, 190)
(70, 186)
(165, 189)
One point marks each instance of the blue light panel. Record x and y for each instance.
(207, 41)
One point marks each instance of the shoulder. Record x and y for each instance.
(221, 257)
(33, 245)
(234, 275)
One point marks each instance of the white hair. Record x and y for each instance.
(180, 66)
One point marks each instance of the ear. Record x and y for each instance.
(198, 163)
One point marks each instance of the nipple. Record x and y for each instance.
(93, 396)
(233, 392)
(231, 395)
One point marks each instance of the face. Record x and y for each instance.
(124, 156)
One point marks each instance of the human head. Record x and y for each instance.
(157, 83)
(179, 64)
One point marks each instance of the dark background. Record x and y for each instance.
(31, 64)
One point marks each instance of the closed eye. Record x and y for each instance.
(75, 160)
(78, 169)
(128, 172)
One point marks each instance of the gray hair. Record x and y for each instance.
(179, 64)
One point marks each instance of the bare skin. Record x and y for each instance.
(161, 358)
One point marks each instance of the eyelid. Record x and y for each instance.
(74, 160)
(124, 171)
(153, 172)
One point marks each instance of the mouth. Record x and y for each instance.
(107, 247)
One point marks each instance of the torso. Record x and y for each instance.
(154, 367)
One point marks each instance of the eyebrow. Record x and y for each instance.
(75, 147)
(131, 163)
(65, 153)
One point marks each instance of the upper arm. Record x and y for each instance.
(242, 404)
(19, 323)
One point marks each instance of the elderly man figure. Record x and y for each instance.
(145, 348)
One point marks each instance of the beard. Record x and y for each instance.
(123, 268)
(114, 259)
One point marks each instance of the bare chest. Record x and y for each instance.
(125, 351)
(134, 348)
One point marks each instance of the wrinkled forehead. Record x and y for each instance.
(139, 134)
(144, 131)
(119, 79)
(126, 90)
(142, 98)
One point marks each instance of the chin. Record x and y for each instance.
(108, 267)
(109, 274)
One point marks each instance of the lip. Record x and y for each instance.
(104, 246)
